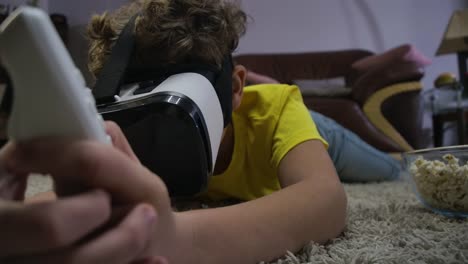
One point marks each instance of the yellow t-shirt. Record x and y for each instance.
(271, 120)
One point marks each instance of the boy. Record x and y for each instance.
(271, 155)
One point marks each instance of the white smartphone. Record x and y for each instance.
(50, 96)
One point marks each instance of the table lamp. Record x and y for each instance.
(455, 40)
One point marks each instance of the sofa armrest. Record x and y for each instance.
(373, 110)
(380, 77)
(350, 115)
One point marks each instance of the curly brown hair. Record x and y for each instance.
(170, 32)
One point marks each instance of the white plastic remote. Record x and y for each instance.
(50, 96)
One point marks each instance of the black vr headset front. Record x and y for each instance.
(173, 117)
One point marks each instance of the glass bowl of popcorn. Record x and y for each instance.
(439, 178)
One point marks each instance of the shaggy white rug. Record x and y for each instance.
(386, 224)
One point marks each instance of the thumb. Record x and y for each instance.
(119, 140)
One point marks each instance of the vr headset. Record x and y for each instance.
(173, 117)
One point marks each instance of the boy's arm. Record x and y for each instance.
(312, 206)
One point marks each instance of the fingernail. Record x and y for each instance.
(159, 260)
(149, 214)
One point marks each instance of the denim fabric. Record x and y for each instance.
(354, 159)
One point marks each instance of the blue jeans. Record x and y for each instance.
(354, 159)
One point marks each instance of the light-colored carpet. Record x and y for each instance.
(38, 184)
(386, 224)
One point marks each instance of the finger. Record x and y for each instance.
(7, 147)
(119, 213)
(12, 187)
(123, 244)
(12, 182)
(33, 228)
(119, 140)
(93, 165)
(19, 188)
(5, 162)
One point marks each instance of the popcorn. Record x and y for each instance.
(443, 185)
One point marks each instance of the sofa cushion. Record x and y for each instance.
(402, 54)
(257, 78)
(333, 87)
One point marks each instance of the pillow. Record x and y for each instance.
(257, 78)
(326, 87)
(404, 54)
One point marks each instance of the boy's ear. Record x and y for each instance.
(239, 74)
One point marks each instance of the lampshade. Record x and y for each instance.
(456, 34)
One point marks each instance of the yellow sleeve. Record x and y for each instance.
(294, 125)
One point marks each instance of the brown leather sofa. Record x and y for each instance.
(383, 107)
